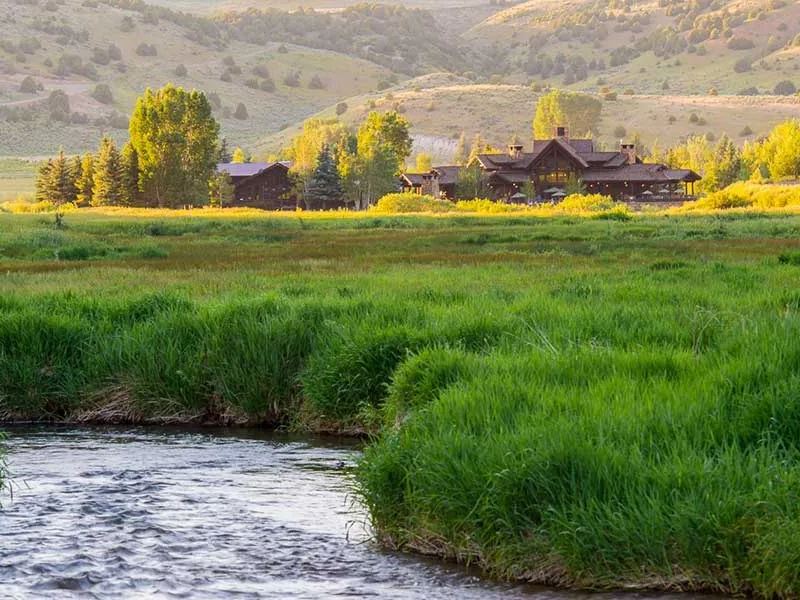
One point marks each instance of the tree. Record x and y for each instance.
(240, 156)
(85, 183)
(305, 148)
(43, 182)
(30, 86)
(574, 185)
(224, 155)
(424, 162)
(383, 145)
(180, 70)
(220, 189)
(129, 179)
(471, 182)
(725, 167)
(579, 112)
(780, 152)
(107, 178)
(341, 108)
(461, 153)
(57, 183)
(325, 187)
(176, 139)
(390, 129)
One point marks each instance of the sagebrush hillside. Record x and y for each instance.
(452, 66)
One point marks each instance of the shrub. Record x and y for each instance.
(102, 93)
(240, 112)
(409, 202)
(180, 71)
(785, 88)
(740, 43)
(30, 86)
(341, 108)
(316, 83)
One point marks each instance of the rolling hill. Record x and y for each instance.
(450, 66)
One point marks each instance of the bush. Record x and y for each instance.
(740, 43)
(146, 50)
(30, 86)
(316, 83)
(749, 195)
(409, 202)
(240, 112)
(102, 93)
(180, 71)
(785, 88)
(292, 79)
(341, 108)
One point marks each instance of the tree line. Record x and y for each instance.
(169, 160)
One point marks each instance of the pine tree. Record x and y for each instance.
(61, 181)
(325, 187)
(85, 183)
(224, 153)
(43, 189)
(107, 188)
(129, 175)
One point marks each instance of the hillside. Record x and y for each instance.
(457, 65)
(442, 106)
(690, 46)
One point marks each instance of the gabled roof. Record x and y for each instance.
(565, 147)
(580, 145)
(448, 174)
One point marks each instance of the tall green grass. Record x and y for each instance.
(568, 401)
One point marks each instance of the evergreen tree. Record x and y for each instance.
(61, 186)
(43, 181)
(129, 170)
(224, 152)
(107, 188)
(325, 187)
(85, 183)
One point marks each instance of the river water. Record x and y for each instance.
(143, 513)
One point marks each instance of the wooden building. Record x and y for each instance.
(261, 185)
(620, 174)
(440, 182)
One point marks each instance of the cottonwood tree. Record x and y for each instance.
(579, 112)
(220, 189)
(240, 156)
(424, 162)
(383, 145)
(176, 139)
(305, 148)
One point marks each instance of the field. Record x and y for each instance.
(17, 178)
(569, 400)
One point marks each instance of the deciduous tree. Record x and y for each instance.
(176, 139)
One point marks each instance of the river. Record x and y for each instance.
(143, 513)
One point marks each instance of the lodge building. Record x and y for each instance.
(545, 170)
(261, 185)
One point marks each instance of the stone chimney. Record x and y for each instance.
(629, 150)
(562, 132)
(515, 151)
(430, 184)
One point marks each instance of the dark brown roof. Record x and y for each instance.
(448, 174)
(640, 172)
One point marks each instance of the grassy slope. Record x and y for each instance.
(341, 74)
(693, 75)
(594, 403)
(440, 107)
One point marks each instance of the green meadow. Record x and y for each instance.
(576, 401)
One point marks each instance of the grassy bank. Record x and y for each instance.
(578, 401)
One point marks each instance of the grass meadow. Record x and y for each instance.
(575, 401)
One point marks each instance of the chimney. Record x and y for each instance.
(515, 151)
(629, 150)
(562, 132)
(430, 184)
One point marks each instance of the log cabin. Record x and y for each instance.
(261, 185)
(620, 174)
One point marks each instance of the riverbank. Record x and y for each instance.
(579, 402)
